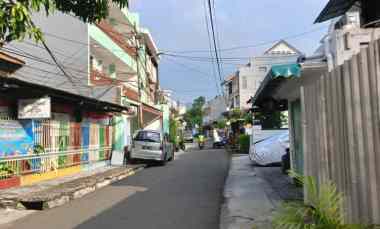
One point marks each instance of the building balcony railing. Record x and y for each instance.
(117, 37)
(130, 94)
(99, 78)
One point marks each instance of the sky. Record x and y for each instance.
(178, 27)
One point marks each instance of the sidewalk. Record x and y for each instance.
(53, 193)
(252, 194)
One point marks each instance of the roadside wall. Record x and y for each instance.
(341, 126)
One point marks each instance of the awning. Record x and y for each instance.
(149, 114)
(334, 8)
(9, 63)
(274, 78)
(285, 71)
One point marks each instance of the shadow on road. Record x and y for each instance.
(184, 194)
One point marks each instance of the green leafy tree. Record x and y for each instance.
(270, 120)
(221, 124)
(16, 21)
(194, 116)
(173, 130)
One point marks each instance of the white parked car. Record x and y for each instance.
(188, 136)
(152, 145)
(270, 150)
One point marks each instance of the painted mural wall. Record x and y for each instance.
(16, 138)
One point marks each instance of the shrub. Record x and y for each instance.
(322, 210)
(5, 170)
(244, 143)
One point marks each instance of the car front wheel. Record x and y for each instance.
(164, 161)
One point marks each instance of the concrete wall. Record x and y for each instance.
(340, 45)
(67, 37)
(340, 121)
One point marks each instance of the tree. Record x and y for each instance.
(16, 22)
(199, 102)
(173, 130)
(270, 120)
(220, 124)
(194, 116)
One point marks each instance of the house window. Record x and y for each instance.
(112, 70)
(237, 102)
(96, 64)
(245, 83)
(230, 88)
(263, 69)
(113, 21)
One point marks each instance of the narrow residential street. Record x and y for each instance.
(186, 193)
(99, 101)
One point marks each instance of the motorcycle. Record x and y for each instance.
(182, 146)
(201, 142)
(201, 145)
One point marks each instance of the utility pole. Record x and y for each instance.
(137, 47)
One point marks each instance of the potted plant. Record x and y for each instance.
(7, 177)
(36, 163)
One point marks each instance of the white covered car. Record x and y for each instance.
(270, 150)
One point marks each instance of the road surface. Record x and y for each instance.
(185, 194)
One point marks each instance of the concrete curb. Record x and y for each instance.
(249, 201)
(58, 197)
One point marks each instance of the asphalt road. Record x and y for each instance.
(185, 194)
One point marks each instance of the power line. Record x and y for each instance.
(69, 77)
(39, 78)
(217, 34)
(189, 68)
(290, 37)
(217, 87)
(40, 60)
(189, 91)
(200, 51)
(24, 54)
(57, 51)
(65, 39)
(175, 53)
(206, 58)
(67, 58)
(214, 40)
(234, 63)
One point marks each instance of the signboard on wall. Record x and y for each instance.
(16, 138)
(34, 108)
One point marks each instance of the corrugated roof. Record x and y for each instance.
(274, 78)
(230, 78)
(11, 59)
(334, 8)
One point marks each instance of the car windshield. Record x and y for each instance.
(148, 136)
